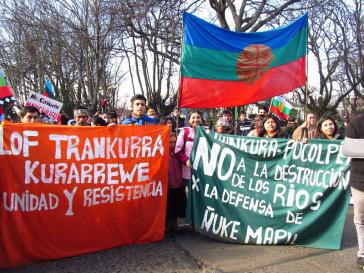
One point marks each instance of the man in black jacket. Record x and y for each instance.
(355, 129)
(177, 120)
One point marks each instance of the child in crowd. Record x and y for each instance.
(176, 198)
(166, 121)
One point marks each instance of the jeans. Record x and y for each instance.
(358, 199)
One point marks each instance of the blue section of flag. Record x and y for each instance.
(49, 88)
(200, 33)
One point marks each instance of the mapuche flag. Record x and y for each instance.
(280, 107)
(48, 92)
(222, 68)
(6, 95)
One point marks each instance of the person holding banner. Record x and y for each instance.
(328, 129)
(185, 142)
(184, 146)
(271, 128)
(80, 116)
(355, 132)
(29, 114)
(138, 108)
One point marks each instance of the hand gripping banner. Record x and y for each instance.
(66, 191)
(268, 191)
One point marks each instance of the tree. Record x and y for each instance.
(252, 15)
(73, 42)
(333, 40)
(152, 46)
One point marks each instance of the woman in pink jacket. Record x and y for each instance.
(184, 147)
(185, 142)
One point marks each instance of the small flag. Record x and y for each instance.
(6, 95)
(280, 107)
(49, 92)
(2, 81)
(2, 78)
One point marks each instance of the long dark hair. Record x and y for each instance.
(263, 132)
(193, 112)
(164, 120)
(319, 125)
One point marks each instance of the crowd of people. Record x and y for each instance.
(262, 125)
(269, 126)
(183, 134)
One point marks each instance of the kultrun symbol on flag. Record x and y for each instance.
(253, 63)
(281, 106)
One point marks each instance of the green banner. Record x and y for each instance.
(268, 191)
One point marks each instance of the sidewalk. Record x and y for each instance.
(185, 252)
(216, 256)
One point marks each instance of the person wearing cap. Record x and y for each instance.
(80, 116)
(222, 126)
(138, 109)
(228, 117)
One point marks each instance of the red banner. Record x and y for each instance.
(66, 191)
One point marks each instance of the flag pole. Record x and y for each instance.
(306, 98)
(306, 81)
(179, 79)
(270, 106)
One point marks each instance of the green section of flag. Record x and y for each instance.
(2, 81)
(210, 64)
(294, 50)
